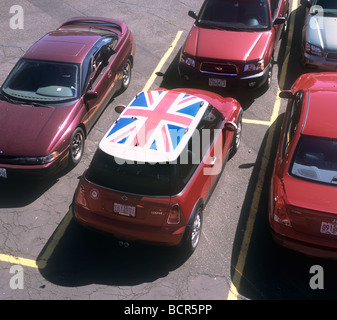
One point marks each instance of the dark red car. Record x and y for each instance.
(156, 167)
(56, 92)
(232, 42)
(303, 193)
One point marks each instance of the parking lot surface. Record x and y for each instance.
(236, 257)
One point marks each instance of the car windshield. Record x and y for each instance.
(329, 7)
(316, 159)
(42, 81)
(247, 15)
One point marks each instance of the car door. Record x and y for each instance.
(279, 8)
(100, 81)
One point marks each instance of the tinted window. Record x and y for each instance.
(44, 81)
(315, 159)
(246, 14)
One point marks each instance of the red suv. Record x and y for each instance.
(155, 168)
(232, 42)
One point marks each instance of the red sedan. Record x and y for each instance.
(303, 193)
(156, 167)
(232, 43)
(56, 92)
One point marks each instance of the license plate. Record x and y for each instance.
(124, 210)
(328, 228)
(3, 173)
(213, 82)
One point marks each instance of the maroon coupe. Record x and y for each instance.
(56, 92)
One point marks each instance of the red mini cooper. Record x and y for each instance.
(56, 92)
(303, 193)
(155, 168)
(232, 42)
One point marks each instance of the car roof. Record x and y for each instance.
(154, 127)
(63, 45)
(321, 113)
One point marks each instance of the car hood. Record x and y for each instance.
(29, 130)
(321, 31)
(310, 195)
(226, 45)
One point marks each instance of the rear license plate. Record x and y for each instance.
(124, 210)
(329, 228)
(214, 82)
(3, 173)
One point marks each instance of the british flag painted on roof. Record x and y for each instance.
(155, 126)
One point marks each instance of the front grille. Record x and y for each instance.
(332, 56)
(219, 68)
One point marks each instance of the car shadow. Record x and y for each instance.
(82, 256)
(261, 269)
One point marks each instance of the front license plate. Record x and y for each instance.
(329, 228)
(3, 173)
(125, 210)
(214, 82)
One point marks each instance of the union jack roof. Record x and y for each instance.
(154, 127)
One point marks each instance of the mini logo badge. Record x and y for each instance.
(94, 194)
(124, 198)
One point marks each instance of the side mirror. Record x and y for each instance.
(192, 14)
(230, 126)
(120, 109)
(286, 94)
(306, 3)
(90, 95)
(279, 20)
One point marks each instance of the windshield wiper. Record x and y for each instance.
(37, 104)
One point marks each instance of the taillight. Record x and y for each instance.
(174, 215)
(80, 197)
(280, 212)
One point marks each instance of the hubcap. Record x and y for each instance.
(196, 229)
(77, 146)
(126, 74)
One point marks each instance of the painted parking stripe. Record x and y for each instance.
(240, 264)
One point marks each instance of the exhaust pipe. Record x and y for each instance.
(124, 244)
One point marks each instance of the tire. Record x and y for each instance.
(237, 137)
(76, 147)
(194, 233)
(126, 75)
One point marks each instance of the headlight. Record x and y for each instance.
(255, 66)
(187, 60)
(312, 49)
(37, 160)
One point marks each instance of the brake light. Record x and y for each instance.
(280, 212)
(174, 215)
(80, 197)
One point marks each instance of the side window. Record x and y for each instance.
(292, 122)
(274, 4)
(101, 60)
(199, 144)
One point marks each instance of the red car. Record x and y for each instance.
(232, 42)
(56, 92)
(303, 193)
(155, 168)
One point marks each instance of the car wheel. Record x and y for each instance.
(237, 136)
(126, 75)
(76, 147)
(194, 233)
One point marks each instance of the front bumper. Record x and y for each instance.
(321, 63)
(232, 81)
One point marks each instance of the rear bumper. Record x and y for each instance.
(307, 248)
(166, 236)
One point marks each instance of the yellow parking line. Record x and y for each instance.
(162, 62)
(240, 264)
(18, 260)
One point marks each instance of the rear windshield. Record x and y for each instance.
(316, 159)
(158, 179)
